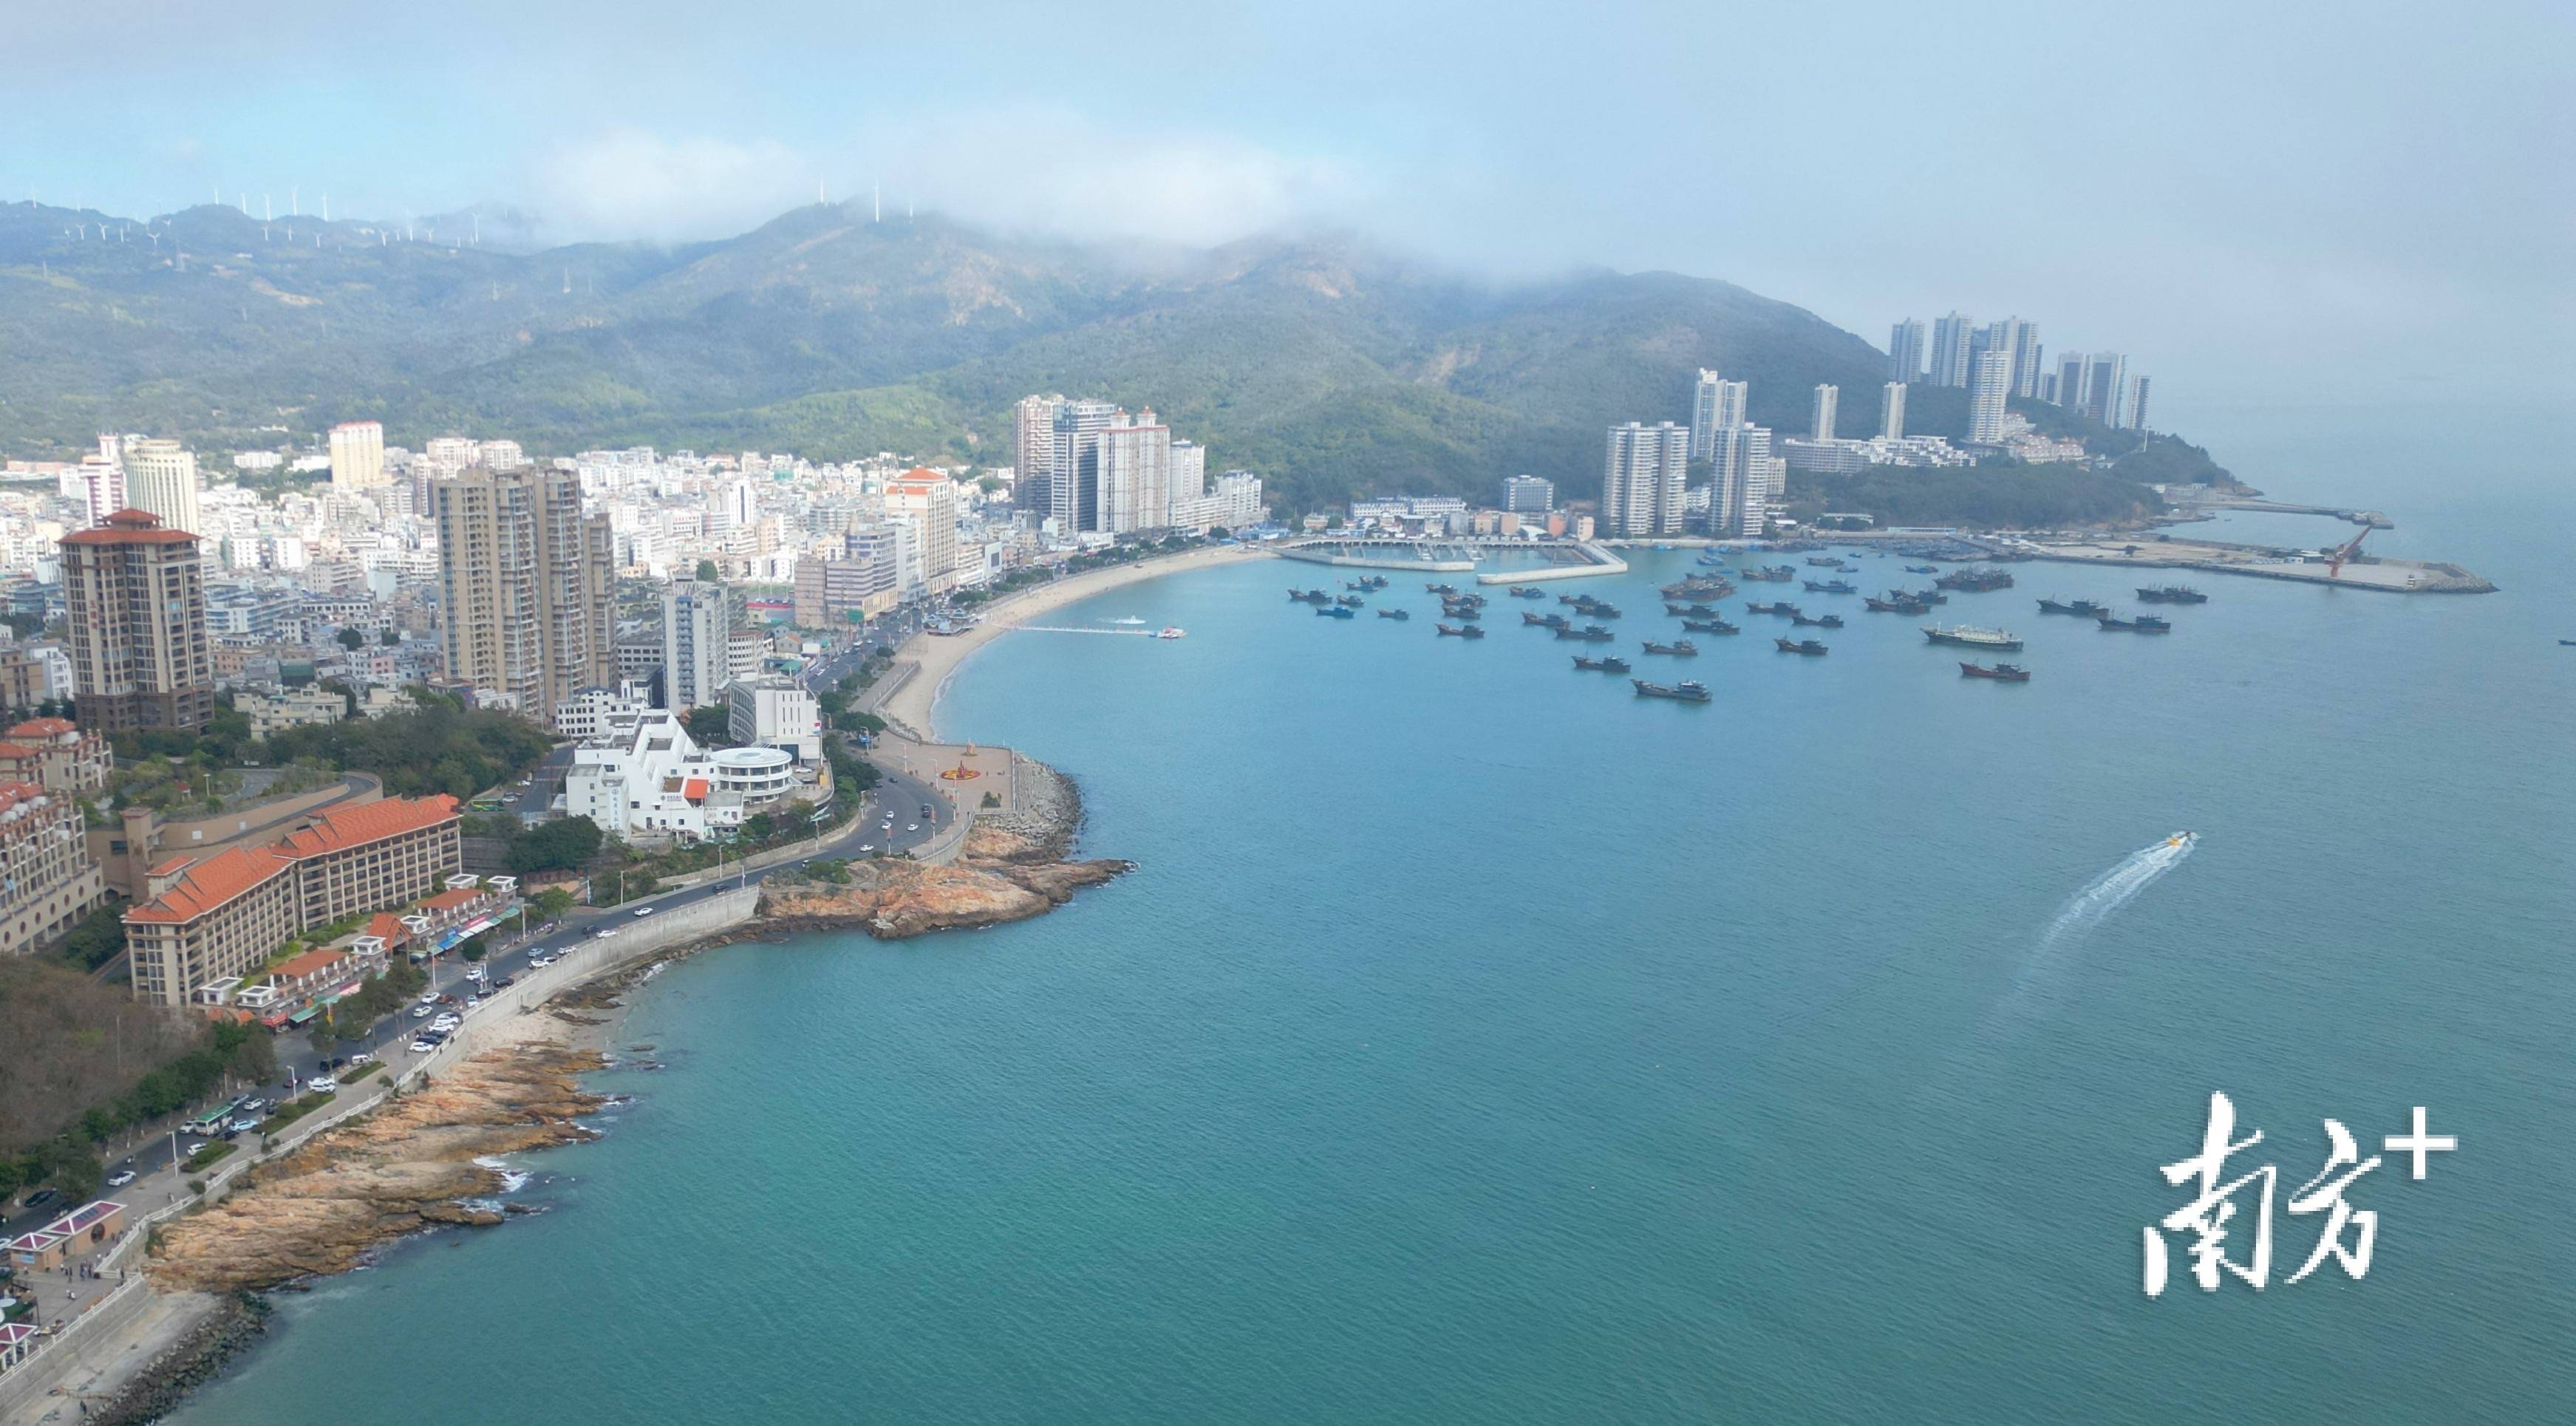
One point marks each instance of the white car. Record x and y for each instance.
(644, 911)
(422, 1047)
(120, 1178)
(325, 1085)
(363, 1057)
(867, 846)
(605, 932)
(420, 1012)
(474, 1002)
(429, 997)
(915, 827)
(540, 962)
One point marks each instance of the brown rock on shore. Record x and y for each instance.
(407, 1165)
(1011, 868)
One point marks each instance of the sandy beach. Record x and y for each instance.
(913, 705)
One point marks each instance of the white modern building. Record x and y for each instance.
(161, 477)
(1987, 391)
(776, 713)
(1642, 474)
(696, 634)
(358, 455)
(1828, 397)
(644, 777)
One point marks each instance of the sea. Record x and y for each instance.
(1478, 1042)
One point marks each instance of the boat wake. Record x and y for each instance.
(1127, 621)
(2117, 887)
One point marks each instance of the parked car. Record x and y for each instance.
(423, 1045)
(120, 1178)
(644, 911)
(253, 1106)
(505, 982)
(420, 1012)
(243, 1126)
(605, 932)
(324, 1084)
(363, 1057)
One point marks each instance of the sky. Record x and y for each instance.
(2295, 201)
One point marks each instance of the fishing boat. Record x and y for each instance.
(1824, 562)
(1771, 574)
(1336, 611)
(1439, 589)
(1309, 596)
(1781, 607)
(1544, 621)
(1710, 626)
(2173, 594)
(1970, 636)
(2001, 673)
(1528, 591)
(1975, 581)
(1687, 691)
(1462, 631)
(1923, 569)
(1831, 586)
(1809, 647)
(1678, 648)
(2143, 624)
(1896, 602)
(1607, 663)
(2083, 607)
(1589, 634)
(1171, 631)
(1395, 613)
(1352, 601)
(1829, 621)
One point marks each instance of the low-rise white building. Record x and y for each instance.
(646, 778)
(776, 713)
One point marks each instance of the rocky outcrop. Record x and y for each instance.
(356, 1186)
(1012, 866)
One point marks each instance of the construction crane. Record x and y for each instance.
(2336, 561)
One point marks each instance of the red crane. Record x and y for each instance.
(2335, 562)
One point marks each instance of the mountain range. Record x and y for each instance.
(1330, 366)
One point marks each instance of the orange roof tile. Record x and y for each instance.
(450, 900)
(356, 826)
(14, 750)
(695, 789)
(298, 967)
(211, 883)
(388, 928)
(44, 728)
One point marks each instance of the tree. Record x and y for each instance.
(758, 826)
(475, 946)
(98, 938)
(711, 725)
(391, 638)
(707, 572)
(566, 844)
(552, 902)
(353, 639)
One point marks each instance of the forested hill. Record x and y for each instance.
(1329, 366)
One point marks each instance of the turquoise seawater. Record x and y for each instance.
(1477, 1042)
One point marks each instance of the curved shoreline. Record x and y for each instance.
(936, 658)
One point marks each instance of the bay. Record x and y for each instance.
(1479, 1042)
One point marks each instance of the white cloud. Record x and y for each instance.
(1064, 173)
(628, 183)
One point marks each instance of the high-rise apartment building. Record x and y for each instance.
(161, 477)
(697, 622)
(1905, 351)
(2137, 412)
(358, 455)
(1951, 338)
(1706, 394)
(1134, 475)
(1741, 491)
(135, 596)
(1641, 479)
(2105, 373)
(527, 584)
(2021, 340)
(1073, 470)
(1529, 495)
(500, 455)
(1891, 412)
(1987, 390)
(929, 499)
(1033, 449)
(2070, 379)
(1827, 398)
(102, 489)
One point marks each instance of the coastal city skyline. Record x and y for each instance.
(806, 714)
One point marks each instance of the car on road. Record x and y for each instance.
(474, 1002)
(605, 932)
(323, 1085)
(120, 1178)
(867, 846)
(423, 1045)
(913, 827)
(540, 962)
(644, 911)
(243, 1126)
(420, 1012)
(505, 982)
(429, 997)
(363, 1057)
(252, 1106)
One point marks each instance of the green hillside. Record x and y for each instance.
(1332, 368)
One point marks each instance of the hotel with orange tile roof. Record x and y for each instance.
(221, 916)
